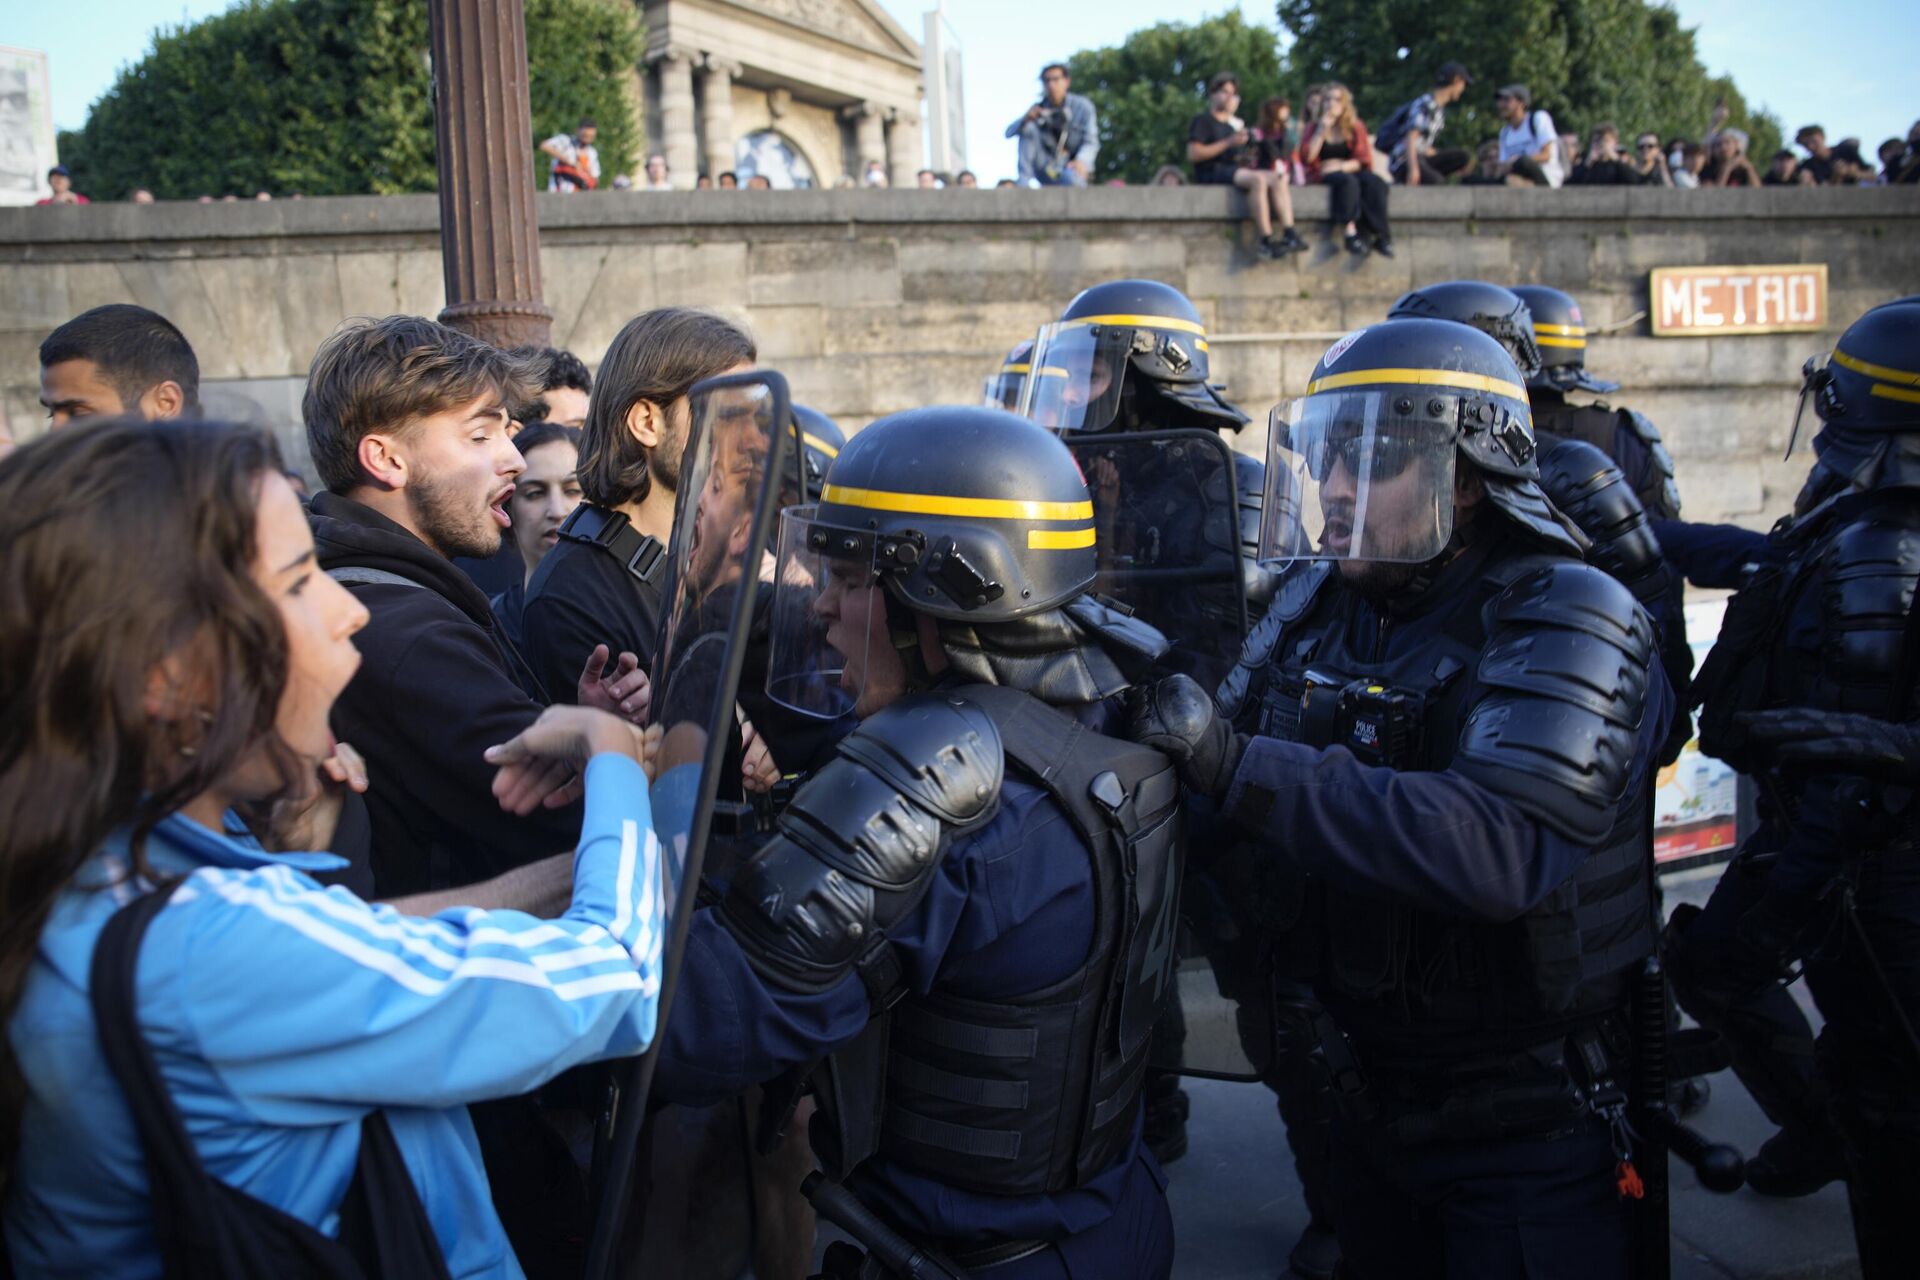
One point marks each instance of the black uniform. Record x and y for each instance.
(1830, 876)
(600, 584)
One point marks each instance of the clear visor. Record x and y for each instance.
(1348, 479)
(1075, 375)
(828, 609)
(1002, 390)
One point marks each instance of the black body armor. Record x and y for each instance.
(1023, 1096)
(1532, 686)
(1629, 438)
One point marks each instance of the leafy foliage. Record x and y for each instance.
(1586, 61)
(331, 97)
(1147, 88)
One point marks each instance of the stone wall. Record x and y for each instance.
(873, 301)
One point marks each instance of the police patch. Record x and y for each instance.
(1339, 348)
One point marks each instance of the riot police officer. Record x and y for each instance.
(1003, 387)
(1830, 876)
(1448, 720)
(1576, 472)
(960, 931)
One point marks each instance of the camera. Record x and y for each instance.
(1379, 724)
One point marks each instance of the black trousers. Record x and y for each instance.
(1529, 168)
(1360, 198)
(1439, 166)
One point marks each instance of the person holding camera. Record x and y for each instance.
(1604, 165)
(1059, 135)
(1224, 152)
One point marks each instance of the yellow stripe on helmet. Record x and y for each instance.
(1417, 378)
(1014, 368)
(1577, 344)
(1886, 392)
(1879, 371)
(1559, 330)
(1138, 322)
(815, 442)
(933, 504)
(1059, 539)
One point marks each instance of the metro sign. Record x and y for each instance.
(1696, 302)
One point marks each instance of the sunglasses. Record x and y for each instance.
(1383, 456)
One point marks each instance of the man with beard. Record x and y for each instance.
(1448, 722)
(602, 582)
(407, 422)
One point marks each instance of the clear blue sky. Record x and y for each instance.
(1847, 66)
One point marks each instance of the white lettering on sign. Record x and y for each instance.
(1702, 301)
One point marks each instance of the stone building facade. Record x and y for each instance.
(804, 91)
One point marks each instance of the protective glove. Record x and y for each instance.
(1833, 740)
(1176, 717)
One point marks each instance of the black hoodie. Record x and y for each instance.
(437, 686)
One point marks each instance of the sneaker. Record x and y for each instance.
(1794, 1162)
(1383, 247)
(1269, 249)
(1290, 242)
(1316, 1256)
(1356, 246)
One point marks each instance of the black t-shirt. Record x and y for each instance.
(1822, 170)
(581, 596)
(1604, 173)
(1208, 130)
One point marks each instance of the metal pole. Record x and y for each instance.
(482, 127)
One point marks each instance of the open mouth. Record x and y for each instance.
(498, 507)
(1337, 536)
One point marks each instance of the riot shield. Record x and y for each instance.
(738, 443)
(1167, 519)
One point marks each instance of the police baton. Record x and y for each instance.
(893, 1251)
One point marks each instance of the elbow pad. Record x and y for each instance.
(1565, 686)
(1869, 593)
(1584, 483)
(856, 848)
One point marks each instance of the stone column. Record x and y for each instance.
(904, 151)
(716, 111)
(869, 137)
(675, 67)
(489, 241)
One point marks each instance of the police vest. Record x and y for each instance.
(1602, 426)
(1037, 1093)
(1419, 982)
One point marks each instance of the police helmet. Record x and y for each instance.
(1004, 385)
(1137, 334)
(820, 441)
(1362, 467)
(1560, 333)
(965, 513)
(1871, 380)
(1495, 311)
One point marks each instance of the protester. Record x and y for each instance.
(117, 359)
(1338, 153)
(543, 497)
(1819, 162)
(703, 183)
(575, 160)
(601, 584)
(876, 174)
(60, 179)
(299, 1039)
(1730, 166)
(1850, 168)
(966, 178)
(1603, 165)
(1276, 137)
(1649, 163)
(1692, 160)
(1486, 167)
(926, 180)
(1223, 153)
(1408, 134)
(1529, 147)
(1890, 151)
(1785, 171)
(728, 181)
(1059, 135)
(565, 386)
(1907, 170)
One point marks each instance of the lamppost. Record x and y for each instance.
(489, 241)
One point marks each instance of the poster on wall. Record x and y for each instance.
(1696, 799)
(26, 126)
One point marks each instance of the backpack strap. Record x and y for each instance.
(641, 554)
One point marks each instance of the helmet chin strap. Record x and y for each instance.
(903, 628)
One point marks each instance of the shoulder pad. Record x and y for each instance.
(1583, 482)
(1659, 492)
(854, 851)
(1564, 680)
(1294, 594)
(1872, 565)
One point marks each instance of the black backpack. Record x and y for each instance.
(205, 1228)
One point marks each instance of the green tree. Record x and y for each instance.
(1587, 61)
(331, 97)
(1148, 87)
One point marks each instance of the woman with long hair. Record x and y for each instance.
(1337, 152)
(170, 653)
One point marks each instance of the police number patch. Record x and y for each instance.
(1339, 348)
